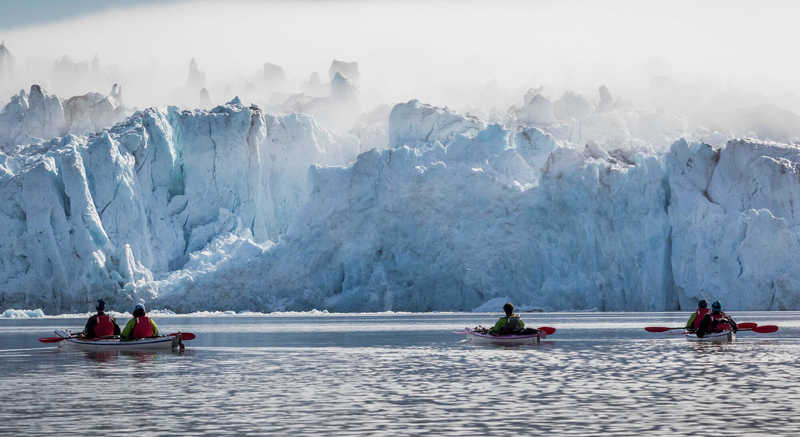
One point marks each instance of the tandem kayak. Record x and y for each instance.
(712, 337)
(167, 342)
(508, 340)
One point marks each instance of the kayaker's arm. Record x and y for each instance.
(155, 328)
(116, 327)
(734, 326)
(690, 323)
(88, 330)
(496, 329)
(128, 330)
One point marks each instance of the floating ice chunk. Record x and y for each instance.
(22, 314)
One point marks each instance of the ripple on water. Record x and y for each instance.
(573, 385)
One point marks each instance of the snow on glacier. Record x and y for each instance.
(235, 209)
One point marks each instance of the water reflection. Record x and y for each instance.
(136, 356)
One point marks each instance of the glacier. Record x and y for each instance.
(233, 208)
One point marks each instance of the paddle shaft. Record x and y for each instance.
(546, 329)
(767, 329)
(660, 328)
(742, 326)
(184, 335)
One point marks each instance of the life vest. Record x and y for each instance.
(143, 328)
(103, 326)
(699, 314)
(719, 322)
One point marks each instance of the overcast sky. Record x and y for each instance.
(407, 44)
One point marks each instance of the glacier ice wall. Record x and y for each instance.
(236, 209)
(735, 223)
(101, 215)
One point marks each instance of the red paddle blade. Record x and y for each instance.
(184, 335)
(765, 329)
(747, 325)
(658, 329)
(50, 339)
(547, 330)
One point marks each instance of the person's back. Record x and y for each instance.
(140, 326)
(697, 317)
(716, 321)
(101, 324)
(509, 324)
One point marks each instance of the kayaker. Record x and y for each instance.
(101, 324)
(697, 316)
(510, 324)
(140, 326)
(716, 321)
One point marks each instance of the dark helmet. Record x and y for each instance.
(508, 308)
(101, 305)
(716, 306)
(702, 304)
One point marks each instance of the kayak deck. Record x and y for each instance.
(712, 337)
(144, 344)
(484, 338)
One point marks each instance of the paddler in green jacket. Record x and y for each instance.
(140, 326)
(510, 324)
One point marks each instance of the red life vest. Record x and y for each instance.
(699, 314)
(143, 328)
(719, 323)
(103, 326)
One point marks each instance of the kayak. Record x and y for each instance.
(713, 337)
(507, 340)
(166, 342)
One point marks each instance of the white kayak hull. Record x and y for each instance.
(713, 337)
(503, 340)
(164, 343)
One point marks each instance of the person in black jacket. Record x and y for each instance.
(716, 321)
(100, 325)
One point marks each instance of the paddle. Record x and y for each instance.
(52, 339)
(761, 329)
(184, 335)
(660, 328)
(546, 329)
(747, 325)
(57, 339)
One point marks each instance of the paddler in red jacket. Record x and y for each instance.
(697, 316)
(101, 324)
(140, 326)
(717, 321)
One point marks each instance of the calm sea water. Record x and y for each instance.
(600, 374)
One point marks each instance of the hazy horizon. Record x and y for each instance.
(442, 52)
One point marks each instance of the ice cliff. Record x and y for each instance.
(236, 209)
(101, 215)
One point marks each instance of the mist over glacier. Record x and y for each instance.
(398, 177)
